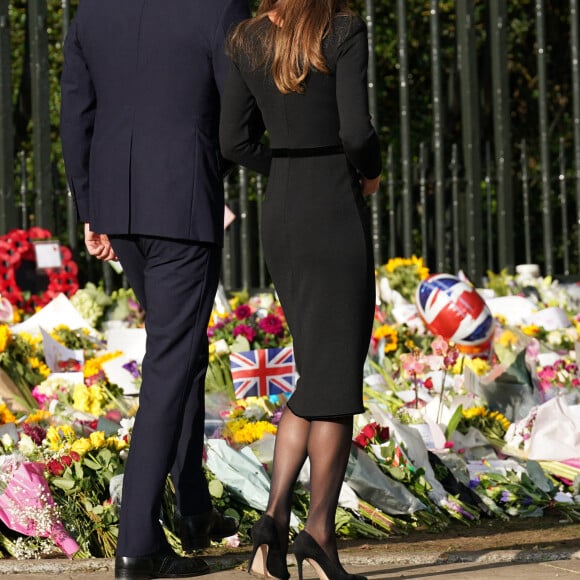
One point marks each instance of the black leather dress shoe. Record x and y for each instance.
(159, 566)
(196, 531)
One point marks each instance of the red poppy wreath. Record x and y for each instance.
(20, 282)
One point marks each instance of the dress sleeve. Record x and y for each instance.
(359, 139)
(77, 118)
(241, 126)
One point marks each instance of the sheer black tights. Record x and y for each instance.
(326, 442)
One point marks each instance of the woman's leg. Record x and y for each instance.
(289, 456)
(329, 443)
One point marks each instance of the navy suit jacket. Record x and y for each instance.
(141, 88)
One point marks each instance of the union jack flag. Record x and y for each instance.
(263, 372)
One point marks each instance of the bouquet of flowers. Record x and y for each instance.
(401, 275)
(28, 507)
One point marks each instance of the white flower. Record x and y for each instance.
(221, 347)
(7, 442)
(126, 427)
(26, 445)
(554, 338)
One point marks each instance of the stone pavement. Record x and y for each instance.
(532, 549)
(496, 565)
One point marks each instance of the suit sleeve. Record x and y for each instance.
(235, 12)
(77, 118)
(239, 137)
(359, 139)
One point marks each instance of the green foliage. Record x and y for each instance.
(523, 84)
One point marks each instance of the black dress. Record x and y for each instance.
(316, 224)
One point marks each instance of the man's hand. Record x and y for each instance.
(98, 245)
(370, 186)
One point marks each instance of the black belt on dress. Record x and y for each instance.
(308, 151)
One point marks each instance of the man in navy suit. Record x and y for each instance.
(141, 89)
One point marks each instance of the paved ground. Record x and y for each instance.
(527, 550)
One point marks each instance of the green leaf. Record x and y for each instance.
(63, 483)
(453, 422)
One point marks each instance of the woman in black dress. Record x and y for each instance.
(302, 66)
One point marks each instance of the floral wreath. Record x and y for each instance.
(17, 246)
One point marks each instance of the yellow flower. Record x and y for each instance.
(6, 416)
(479, 366)
(251, 432)
(37, 416)
(501, 319)
(94, 365)
(56, 435)
(42, 368)
(97, 439)
(531, 330)
(508, 339)
(389, 334)
(81, 446)
(116, 443)
(55, 331)
(5, 337)
(81, 398)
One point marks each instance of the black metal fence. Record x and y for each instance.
(464, 205)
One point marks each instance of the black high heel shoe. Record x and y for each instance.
(306, 548)
(267, 560)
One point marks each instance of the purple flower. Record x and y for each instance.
(36, 433)
(133, 368)
(473, 483)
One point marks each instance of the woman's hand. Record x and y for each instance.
(370, 186)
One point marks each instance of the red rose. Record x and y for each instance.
(370, 430)
(361, 440)
(384, 434)
(75, 456)
(55, 467)
(66, 459)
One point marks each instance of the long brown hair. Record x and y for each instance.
(293, 46)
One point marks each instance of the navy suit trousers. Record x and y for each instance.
(175, 281)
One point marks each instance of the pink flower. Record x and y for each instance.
(242, 312)
(271, 324)
(246, 331)
(412, 364)
(440, 346)
(451, 357)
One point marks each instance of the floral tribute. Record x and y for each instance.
(16, 248)
(431, 448)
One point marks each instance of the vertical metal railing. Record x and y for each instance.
(377, 202)
(502, 133)
(468, 76)
(458, 226)
(544, 138)
(455, 220)
(441, 263)
(8, 218)
(575, 58)
(40, 112)
(563, 206)
(404, 108)
(526, 201)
